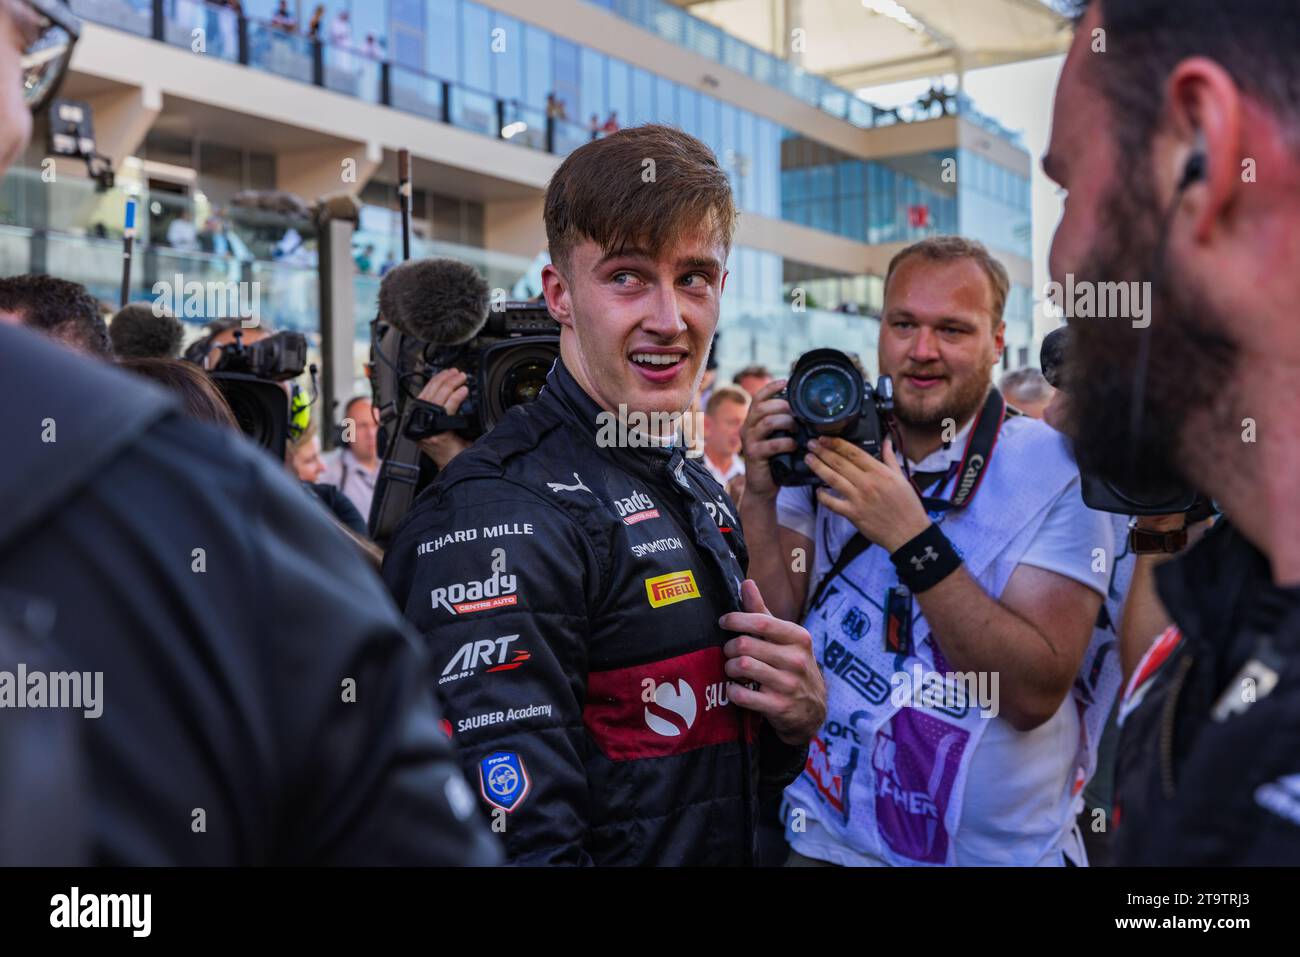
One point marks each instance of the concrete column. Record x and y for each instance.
(338, 319)
(318, 172)
(515, 226)
(123, 119)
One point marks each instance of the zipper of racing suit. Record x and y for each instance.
(689, 510)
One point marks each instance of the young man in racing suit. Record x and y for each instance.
(617, 691)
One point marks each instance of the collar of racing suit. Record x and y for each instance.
(648, 461)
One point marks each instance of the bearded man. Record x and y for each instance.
(954, 610)
(1178, 146)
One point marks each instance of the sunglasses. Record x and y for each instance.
(45, 60)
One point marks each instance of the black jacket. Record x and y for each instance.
(1208, 770)
(229, 620)
(571, 595)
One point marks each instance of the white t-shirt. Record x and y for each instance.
(737, 467)
(1019, 809)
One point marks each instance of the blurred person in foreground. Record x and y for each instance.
(63, 310)
(615, 687)
(1179, 149)
(120, 549)
(954, 607)
(1027, 390)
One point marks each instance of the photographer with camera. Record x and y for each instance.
(615, 687)
(1178, 148)
(978, 567)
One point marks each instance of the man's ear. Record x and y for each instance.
(723, 286)
(1000, 339)
(555, 288)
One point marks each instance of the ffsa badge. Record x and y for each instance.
(503, 780)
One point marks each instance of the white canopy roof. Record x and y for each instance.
(859, 43)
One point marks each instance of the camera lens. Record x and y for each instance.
(826, 394)
(523, 383)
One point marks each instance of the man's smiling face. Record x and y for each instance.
(636, 326)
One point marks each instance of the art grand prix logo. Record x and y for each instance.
(465, 598)
(489, 654)
(671, 588)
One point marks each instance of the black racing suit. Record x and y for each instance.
(1208, 769)
(570, 592)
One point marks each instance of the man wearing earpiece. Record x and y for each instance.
(1178, 146)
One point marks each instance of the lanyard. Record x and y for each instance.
(975, 457)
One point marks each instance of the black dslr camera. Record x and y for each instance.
(829, 395)
(505, 365)
(249, 376)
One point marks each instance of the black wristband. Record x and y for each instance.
(926, 560)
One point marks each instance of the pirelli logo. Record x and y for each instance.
(673, 587)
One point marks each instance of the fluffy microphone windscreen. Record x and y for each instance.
(443, 301)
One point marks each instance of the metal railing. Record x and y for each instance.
(218, 31)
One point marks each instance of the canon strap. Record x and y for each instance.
(975, 459)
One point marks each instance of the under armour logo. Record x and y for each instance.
(920, 560)
(557, 487)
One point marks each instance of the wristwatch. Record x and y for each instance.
(1148, 541)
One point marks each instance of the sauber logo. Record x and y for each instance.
(465, 598)
(494, 653)
(671, 588)
(663, 707)
(678, 701)
(637, 507)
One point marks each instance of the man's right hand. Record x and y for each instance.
(448, 390)
(766, 415)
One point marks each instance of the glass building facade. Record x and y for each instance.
(469, 65)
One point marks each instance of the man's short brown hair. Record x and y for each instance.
(725, 393)
(609, 192)
(944, 249)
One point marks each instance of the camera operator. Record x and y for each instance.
(65, 311)
(224, 639)
(995, 576)
(447, 389)
(1178, 148)
(582, 592)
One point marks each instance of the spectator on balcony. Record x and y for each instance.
(611, 124)
(317, 21)
(555, 108)
(365, 261)
(283, 19)
(181, 233)
(372, 48)
(594, 126)
(341, 30)
(213, 239)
